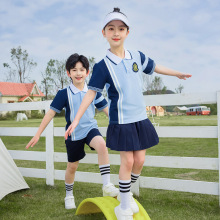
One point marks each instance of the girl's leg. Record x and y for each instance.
(139, 158)
(127, 161)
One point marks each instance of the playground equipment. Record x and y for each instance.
(106, 205)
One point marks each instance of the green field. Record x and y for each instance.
(45, 202)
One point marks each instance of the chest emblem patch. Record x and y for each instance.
(135, 67)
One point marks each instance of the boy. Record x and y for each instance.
(70, 98)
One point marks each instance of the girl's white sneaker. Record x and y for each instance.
(133, 204)
(121, 214)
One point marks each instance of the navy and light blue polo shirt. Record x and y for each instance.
(70, 99)
(124, 83)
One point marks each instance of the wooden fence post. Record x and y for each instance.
(49, 150)
(218, 114)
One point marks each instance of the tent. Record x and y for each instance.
(183, 108)
(10, 177)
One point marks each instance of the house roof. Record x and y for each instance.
(25, 98)
(19, 89)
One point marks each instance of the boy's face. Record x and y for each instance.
(78, 74)
(115, 32)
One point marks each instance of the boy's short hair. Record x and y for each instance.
(75, 58)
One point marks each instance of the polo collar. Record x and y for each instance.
(115, 59)
(76, 90)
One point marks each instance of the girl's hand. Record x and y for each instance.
(183, 76)
(70, 129)
(32, 142)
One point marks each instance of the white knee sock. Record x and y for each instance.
(134, 178)
(124, 187)
(105, 172)
(69, 189)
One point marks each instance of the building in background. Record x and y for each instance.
(19, 92)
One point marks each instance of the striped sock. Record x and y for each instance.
(134, 178)
(105, 173)
(69, 189)
(124, 187)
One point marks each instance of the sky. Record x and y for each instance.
(180, 34)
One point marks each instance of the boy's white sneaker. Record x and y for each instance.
(69, 202)
(121, 214)
(110, 190)
(133, 204)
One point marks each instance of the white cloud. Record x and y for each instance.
(179, 34)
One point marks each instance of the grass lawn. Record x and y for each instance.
(46, 202)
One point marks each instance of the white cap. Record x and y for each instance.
(115, 15)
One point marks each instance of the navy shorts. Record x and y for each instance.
(131, 137)
(75, 149)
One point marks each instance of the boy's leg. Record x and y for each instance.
(69, 181)
(98, 143)
(70, 176)
(75, 152)
(139, 158)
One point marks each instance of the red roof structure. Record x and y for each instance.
(23, 90)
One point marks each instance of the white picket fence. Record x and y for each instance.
(211, 188)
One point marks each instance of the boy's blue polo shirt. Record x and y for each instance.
(70, 99)
(124, 83)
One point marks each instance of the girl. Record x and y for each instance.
(129, 130)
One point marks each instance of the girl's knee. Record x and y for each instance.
(139, 161)
(128, 163)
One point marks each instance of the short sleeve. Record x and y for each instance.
(59, 101)
(148, 65)
(100, 101)
(98, 79)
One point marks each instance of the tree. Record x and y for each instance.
(147, 82)
(153, 85)
(23, 64)
(91, 65)
(58, 73)
(47, 81)
(179, 89)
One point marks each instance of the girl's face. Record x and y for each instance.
(115, 32)
(78, 74)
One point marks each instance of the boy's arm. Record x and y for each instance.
(87, 100)
(46, 120)
(105, 110)
(170, 72)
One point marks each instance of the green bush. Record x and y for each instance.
(36, 114)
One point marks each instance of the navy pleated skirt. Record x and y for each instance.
(131, 137)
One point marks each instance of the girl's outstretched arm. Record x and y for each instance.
(87, 100)
(170, 72)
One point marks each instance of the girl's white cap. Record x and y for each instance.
(115, 15)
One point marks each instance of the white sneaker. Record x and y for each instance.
(133, 204)
(69, 202)
(110, 190)
(121, 214)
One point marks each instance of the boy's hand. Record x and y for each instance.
(183, 76)
(70, 129)
(32, 142)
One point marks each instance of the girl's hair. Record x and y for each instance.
(117, 10)
(75, 58)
